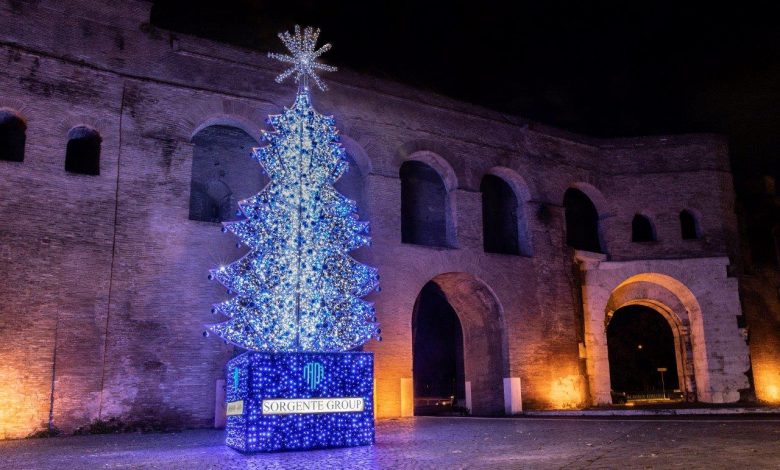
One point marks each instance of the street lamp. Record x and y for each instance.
(661, 370)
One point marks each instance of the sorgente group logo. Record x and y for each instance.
(313, 372)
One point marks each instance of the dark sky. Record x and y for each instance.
(598, 68)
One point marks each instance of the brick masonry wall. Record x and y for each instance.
(109, 273)
(762, 308)
(759, 284)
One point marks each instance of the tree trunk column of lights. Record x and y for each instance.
(298, 306)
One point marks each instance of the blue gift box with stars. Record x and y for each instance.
(297, 401)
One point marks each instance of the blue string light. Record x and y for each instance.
(297, 289)
(298, 303)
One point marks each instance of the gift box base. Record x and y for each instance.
(297, 401)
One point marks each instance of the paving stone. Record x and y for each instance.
(451, 443)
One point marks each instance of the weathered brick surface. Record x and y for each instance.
(759, 213)
(108, 272)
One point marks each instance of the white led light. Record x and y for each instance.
(304, 56)
(298, 289)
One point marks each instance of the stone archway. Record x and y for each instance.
(677, 304)
(480, 317)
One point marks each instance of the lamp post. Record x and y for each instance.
(661, 370)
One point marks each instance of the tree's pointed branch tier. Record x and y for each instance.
(298, 288)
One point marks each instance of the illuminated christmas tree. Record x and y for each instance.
(298, 289)
(297, 304)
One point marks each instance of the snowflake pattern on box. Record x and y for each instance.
(298, 289)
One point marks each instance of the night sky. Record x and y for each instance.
(598, 68)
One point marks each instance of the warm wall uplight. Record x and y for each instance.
(768, 383)
(22, 408)
(566, 392)
(773, 393)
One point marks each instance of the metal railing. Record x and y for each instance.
(434, 401)
(654, 396)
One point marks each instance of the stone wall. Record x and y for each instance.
(759, 282)
(106, 293)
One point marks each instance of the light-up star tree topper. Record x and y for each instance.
(298, 290)
(304, 56)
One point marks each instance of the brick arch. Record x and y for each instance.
(14, 105)
(222, 170)
(637, 222)
(481, 317)
(583, 230)
(438, 163)
(677, 304)
(13, 135)
(428, 205)
(83, 149)
(596, 196)
(230, 120)
(433, 154)
(515, 181)
(695, 221)
(522, 195)
(68, 123)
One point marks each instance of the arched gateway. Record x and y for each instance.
(678, 306)
(658, 294)
(459, 347)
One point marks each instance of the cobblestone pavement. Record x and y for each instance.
(447, 443)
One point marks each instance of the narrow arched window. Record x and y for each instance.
(582, 221)
(12, 136)
(689, 226)
(223, 173)
(424, 206)
(82, 155)
(503, 220)
(642, 229)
